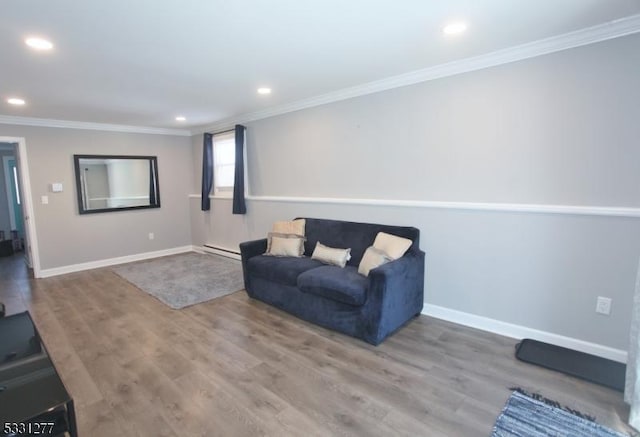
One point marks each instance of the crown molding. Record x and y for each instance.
(67, 124)
(590, 35)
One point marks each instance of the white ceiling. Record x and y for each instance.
(143, 62)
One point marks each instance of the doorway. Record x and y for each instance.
(19, 208)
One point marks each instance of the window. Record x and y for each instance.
(224, 161)
(15, 180)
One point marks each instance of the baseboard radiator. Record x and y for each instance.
(233, 254)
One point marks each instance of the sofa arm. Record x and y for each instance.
(248, 250)
(396, 294)
(411, 260)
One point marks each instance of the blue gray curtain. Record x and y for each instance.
(207, 171)
(239, 206)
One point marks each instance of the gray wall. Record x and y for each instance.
(67, 238)
(560, 129)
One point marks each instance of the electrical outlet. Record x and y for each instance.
(151, 236)
(603, 305)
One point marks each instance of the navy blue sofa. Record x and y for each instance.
(369, 308)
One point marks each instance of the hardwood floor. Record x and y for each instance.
(236, 367)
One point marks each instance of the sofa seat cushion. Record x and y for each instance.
(280, 269)
(340, 284)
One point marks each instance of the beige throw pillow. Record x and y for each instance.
(270, 236)
(371, 259)
(286, 229)
(330, 255)
(295, 227)
(392, 245)
(286, 245)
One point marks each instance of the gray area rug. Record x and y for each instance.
(186, 279)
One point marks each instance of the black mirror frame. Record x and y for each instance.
(154, 174)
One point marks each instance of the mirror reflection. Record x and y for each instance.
(110, 183)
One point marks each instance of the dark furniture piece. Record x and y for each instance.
(6, 248)
(574, 363)
(369, 308)
(33, 399)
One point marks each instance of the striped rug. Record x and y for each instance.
(524, 416)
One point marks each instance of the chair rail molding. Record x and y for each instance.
(612, 211)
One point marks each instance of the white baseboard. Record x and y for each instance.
(520, 332)
(46, 273)
(221, 251)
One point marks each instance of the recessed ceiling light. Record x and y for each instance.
(39, 43)
(264, 91)
(454, 28)
(15, 101)
(181, 118)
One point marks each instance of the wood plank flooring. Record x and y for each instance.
(236, 367)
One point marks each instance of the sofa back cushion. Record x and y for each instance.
(357, 236)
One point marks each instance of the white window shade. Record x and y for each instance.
(224, 160)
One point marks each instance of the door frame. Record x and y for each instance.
(31, 238)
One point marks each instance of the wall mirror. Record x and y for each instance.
(115, 183)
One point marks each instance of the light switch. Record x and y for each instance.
(56, 187)
(45, 200)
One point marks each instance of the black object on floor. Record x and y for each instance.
(579, 364)
(18, 339)
(6, 248)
